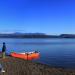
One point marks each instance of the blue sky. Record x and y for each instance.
(45, 16)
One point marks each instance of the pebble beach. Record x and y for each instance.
(16, 66)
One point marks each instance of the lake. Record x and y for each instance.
(53, 52)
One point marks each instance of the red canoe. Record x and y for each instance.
(26, 56)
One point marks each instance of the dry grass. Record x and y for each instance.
(15, 66)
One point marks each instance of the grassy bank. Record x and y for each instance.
(15, 66)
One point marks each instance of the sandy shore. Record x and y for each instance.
(15, 66)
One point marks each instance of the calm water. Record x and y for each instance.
(54, 52)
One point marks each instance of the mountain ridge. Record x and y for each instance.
(34, 35)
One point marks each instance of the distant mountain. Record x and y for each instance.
(67, 35)
(35, 35)
(27, 35)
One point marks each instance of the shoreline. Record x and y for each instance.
(16, 66)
